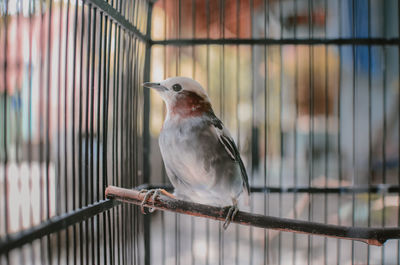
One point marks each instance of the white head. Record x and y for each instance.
(183, 96)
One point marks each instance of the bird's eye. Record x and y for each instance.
(177, 87)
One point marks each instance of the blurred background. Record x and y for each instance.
(309, 90)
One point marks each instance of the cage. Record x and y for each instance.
(309, 90)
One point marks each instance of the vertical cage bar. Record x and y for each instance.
(30, 65)
(237, 81)
(254, 129)
(107, 220)
(18, 118)
(163, 177)
(99, 86)
(92, 119)
(339, 142)
(221, 105)
(105, 121)
(123, 127)
(370, 172)
(208, 85)
(58, 180)
(115, 158)
(281, 135)
(266, 130)
(192, 219)
(296, 119)
(5, 124)
(80, 151)
(354, 92)
(398, 148)
(178, 4)
(66, 125)
(326, 148)
(86, 137)
(74, 182)
(41, 87)
(48, 117)
(384, 118)
(311, 122)
(146, 137)
(117, 84)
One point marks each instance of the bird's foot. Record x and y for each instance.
(229, 217)
(154, 193)
(149, 193)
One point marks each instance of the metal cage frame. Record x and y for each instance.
(91, 207)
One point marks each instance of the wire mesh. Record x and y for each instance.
(310, 92)
(71, 124)
(308, 88)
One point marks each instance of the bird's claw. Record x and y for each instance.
(230, 216)
(149, 193)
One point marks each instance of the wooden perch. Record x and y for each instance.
(372, 236)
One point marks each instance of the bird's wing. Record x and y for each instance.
(226, 140)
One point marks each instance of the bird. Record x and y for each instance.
(200, 156)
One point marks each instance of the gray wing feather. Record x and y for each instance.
(230, 147)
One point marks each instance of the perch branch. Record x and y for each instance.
(372, 236)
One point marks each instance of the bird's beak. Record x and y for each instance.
(156, 86)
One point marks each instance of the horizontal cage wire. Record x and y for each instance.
(309, 90)
(71, 119)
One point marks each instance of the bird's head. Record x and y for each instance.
(183, 96)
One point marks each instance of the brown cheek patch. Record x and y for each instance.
(190, 104)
